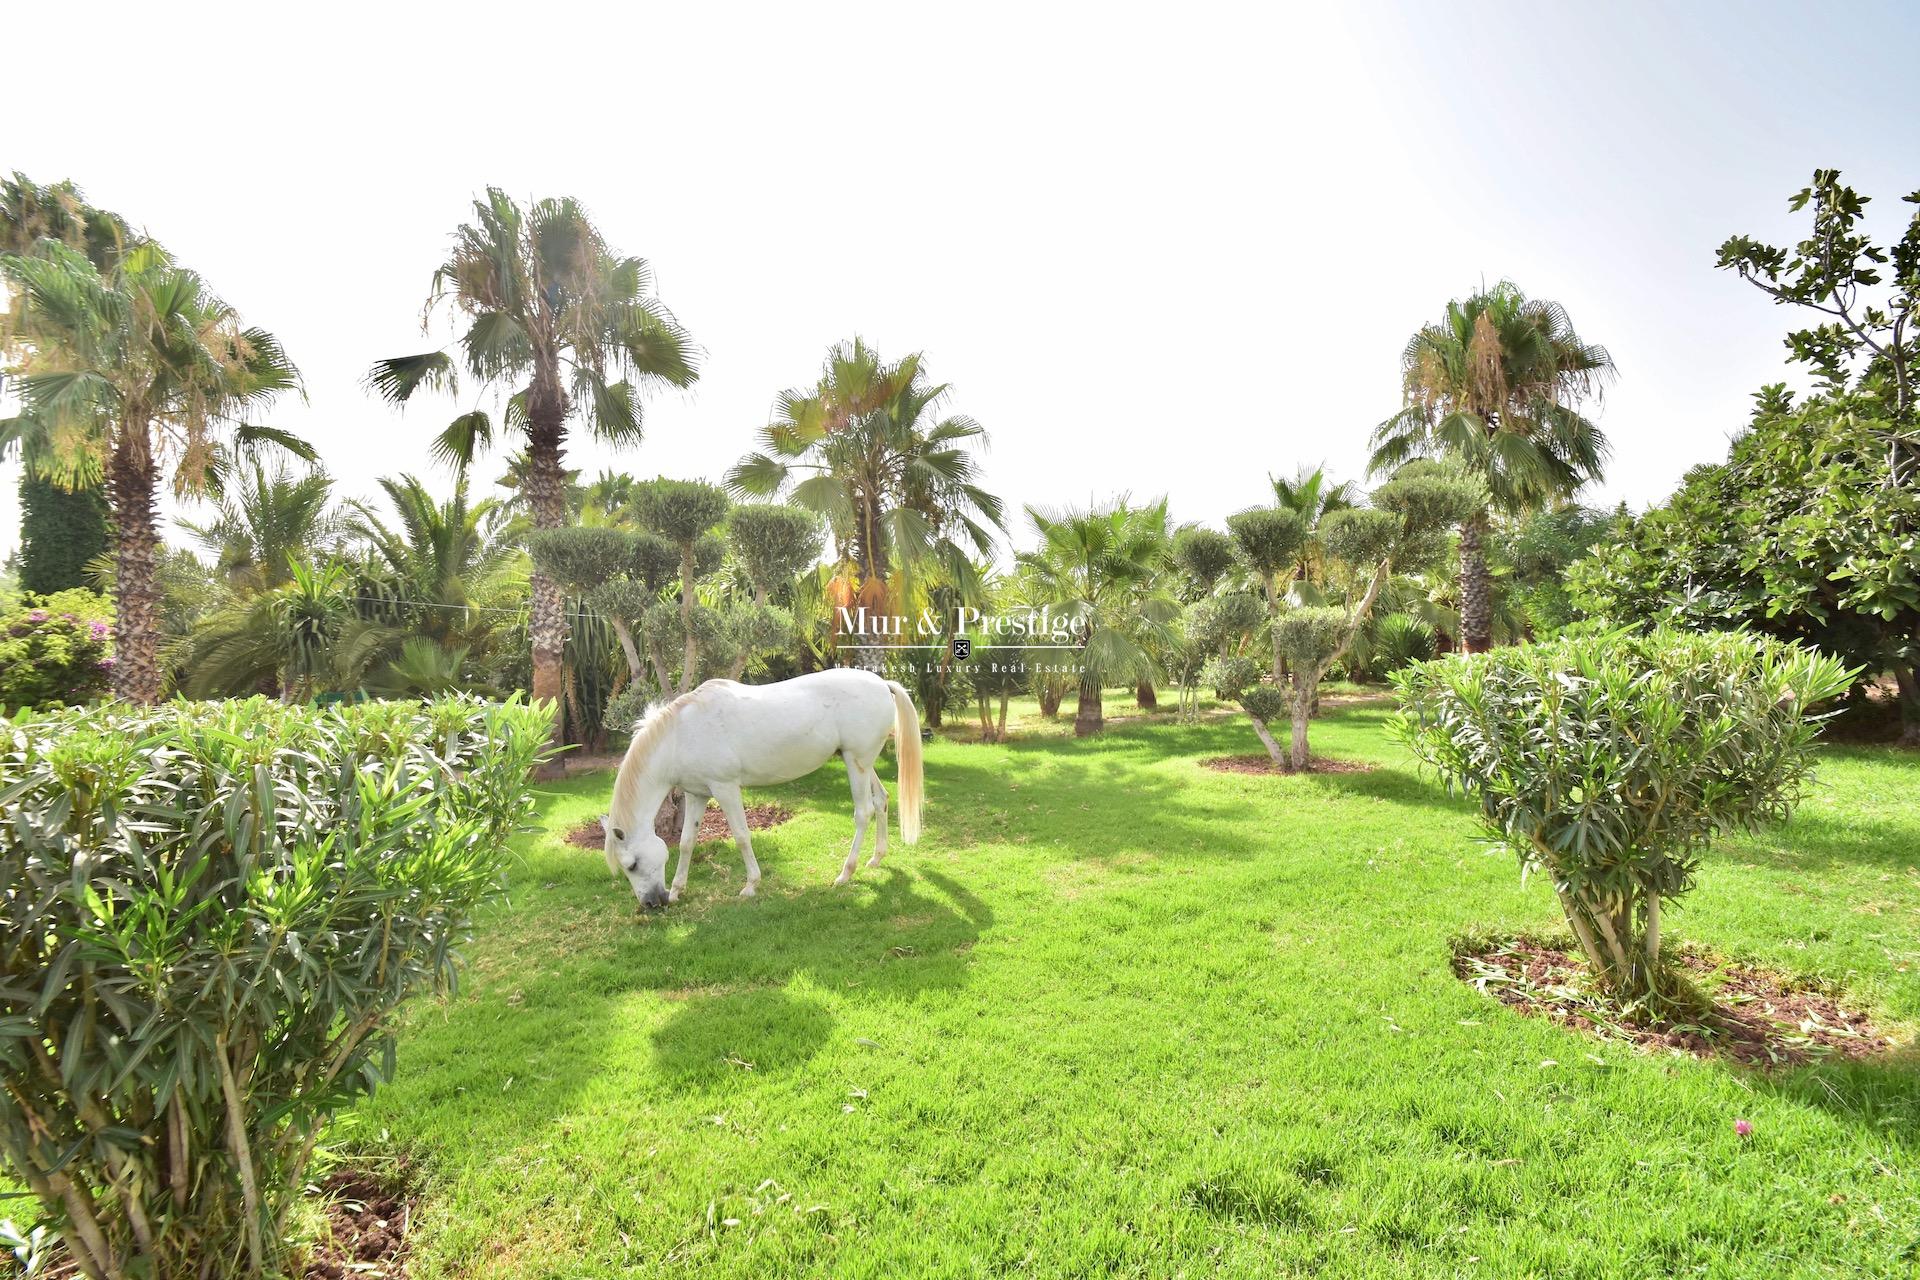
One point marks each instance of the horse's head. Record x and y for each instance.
(640, 856)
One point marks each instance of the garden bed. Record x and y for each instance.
(1758, 1019)
(1265, 764)
(713, 825)
(367, 1222)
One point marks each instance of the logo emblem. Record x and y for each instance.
(962, 647)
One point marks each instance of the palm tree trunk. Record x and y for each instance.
(1144, 696)
(547, 616)
(132, 480)
(1087, 717)
(1476, 588)
(1049, 700)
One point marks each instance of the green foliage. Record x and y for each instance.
(1203, 555)
(1268, 540)
(215, 911)
(1610, 762)
(1219, 621)
(1360, 536)
(1264, 702)
(582, 558)
(1400, 640)
(1825, 273)
(680, 510)
(776, 542)
(1230, 675)
(55, 651)
(1430, 498)
(1802, 533)
(60, 530)
(1312, 636)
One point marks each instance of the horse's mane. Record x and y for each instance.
(646, 736)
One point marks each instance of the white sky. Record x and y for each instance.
(1165, 249)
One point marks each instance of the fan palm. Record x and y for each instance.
(121, 375)
(571, 332)
(1495, 384)
(435, 552)
(1109, 568)
(264, 521)
(866, 448)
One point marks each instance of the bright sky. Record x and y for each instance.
(1157, 250)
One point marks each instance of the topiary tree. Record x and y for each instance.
(1609, 762)
(775, 542)
(1204, 556)
(1269, 542)
(683, 512)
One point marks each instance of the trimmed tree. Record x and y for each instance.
(1610, 762)
(60, 530)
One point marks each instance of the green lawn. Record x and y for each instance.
(1118, 1014)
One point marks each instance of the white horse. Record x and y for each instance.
(726, 735)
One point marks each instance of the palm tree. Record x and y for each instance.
(1494, 384)
(1108, 568)
(572, 333)
(265, 521)
(866, 448)
(435, 553)
(119, 375)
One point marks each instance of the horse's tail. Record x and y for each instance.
(906, 745)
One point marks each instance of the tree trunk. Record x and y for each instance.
(1001, 736)
(1908, 678)
(547, 614)
(132, 477)
(1297, 758)
(1144, 696)
(1476, 588)
(1266, 739)
(690, 647)
(1049, 700)
(1087, 717)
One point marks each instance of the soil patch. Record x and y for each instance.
(713, 825)
(367, 1223)
(1758, 1019)
(1265, 764)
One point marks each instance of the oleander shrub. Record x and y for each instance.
(54, 652)
(1609, 763)
(211, 912)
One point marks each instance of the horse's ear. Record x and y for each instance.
(619, 835)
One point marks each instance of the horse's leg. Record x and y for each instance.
(693, 807)
(857, 782)
(877, 794)
(729, 798)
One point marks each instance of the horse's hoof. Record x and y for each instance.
(748, 892)
(873, 862)
(846, 877)
(673, 896)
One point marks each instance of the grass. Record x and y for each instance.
(1118, 1014)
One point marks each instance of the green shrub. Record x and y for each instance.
(213, 910)
(1401, 640)
(54, 653)
(1609, 762)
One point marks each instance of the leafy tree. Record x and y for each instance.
(572, 333)
(1107, 569)
(1610, 762)
(121, 374)
(1495, 385)
(1866, 345)
(867, 448)
(1205, 556)
(683, 512)
(1801, 533)
(1312, 495)
(775, 542)
(60, 531)
(264, 521)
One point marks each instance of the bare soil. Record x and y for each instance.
(367, 1224)
(1265, 764)
(1758, 1019)
(713, 825)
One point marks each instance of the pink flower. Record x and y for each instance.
(1743, 1127)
